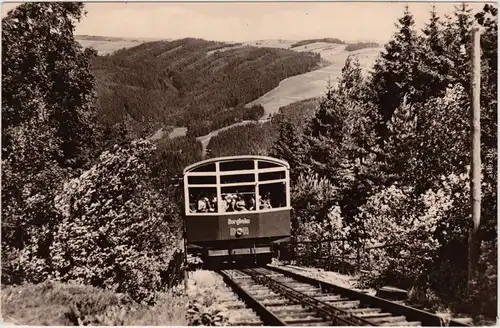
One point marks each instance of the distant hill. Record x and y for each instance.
(325, 40)
(107, 44)
(102, 38)
(191, 82)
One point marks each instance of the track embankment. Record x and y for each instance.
(283, 298)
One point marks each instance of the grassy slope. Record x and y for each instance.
(178, 82)
(58, 304)
(313, 84)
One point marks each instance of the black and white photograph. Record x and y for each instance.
(239, 163)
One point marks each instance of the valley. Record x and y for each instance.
(291, 89)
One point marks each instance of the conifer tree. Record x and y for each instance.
(488, 20)
(352, 83)
(429, 141)
(395, 73)
(435, 68)
(290, 147)
(457, 43)
(344, 121)
(341, 138)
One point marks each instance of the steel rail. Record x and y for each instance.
(327, 311)
(411, 314)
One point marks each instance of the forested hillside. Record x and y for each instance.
(326, 40)
(189, 83)
(361, 45)
(258, 138)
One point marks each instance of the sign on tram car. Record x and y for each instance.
(237, 207)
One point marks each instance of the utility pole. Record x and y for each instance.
(475, 169)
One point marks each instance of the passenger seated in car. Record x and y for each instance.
(213, 204)
(203, 204)
(240, 204)
(230, 203)
(251, 203)
(265, 203)
(192, 208)
(224, 203)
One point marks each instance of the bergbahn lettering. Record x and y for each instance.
(238, 221)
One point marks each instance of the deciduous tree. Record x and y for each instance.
(42, 64)
(47, 129)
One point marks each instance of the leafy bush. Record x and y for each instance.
(29, 180)
(420, 235)
(313, 194)
(332, 228)
(203, 315)
(116, 231)
(312, 198)
(390, 218)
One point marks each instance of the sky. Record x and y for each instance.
(247, 21)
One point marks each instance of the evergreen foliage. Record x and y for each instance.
(252, 138)
(341, 139)
(260, 138)
(396, 71)
(361, 45)
(291, 147)
(458, 38)
(435, 67)
(309, 41)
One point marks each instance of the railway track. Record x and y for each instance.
(283, 298)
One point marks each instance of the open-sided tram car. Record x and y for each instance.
(236, 207)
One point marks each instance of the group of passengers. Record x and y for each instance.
(232, 203)
(238, 202)
(206, 204)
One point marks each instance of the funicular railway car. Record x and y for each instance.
(236, 208)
